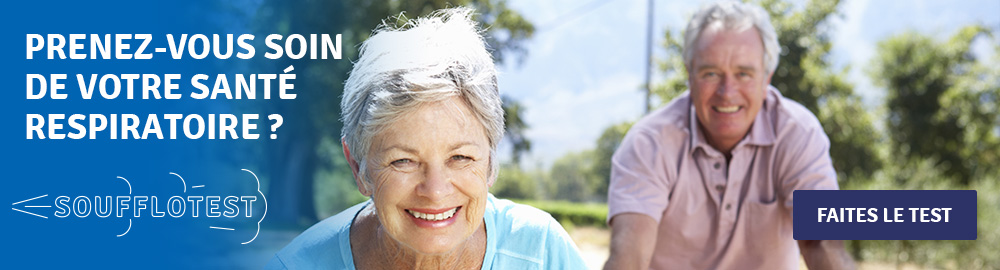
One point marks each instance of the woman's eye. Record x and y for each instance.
(460, 157)
(401, 162)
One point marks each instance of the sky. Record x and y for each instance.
(586, 63)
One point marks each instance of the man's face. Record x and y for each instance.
(728, 84)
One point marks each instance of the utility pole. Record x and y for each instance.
(649, 55)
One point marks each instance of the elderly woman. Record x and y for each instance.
(422, 120)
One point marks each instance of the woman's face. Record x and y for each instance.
(429, 169)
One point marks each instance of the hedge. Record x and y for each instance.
(576, 214)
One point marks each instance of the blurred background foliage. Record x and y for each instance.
(939, 126)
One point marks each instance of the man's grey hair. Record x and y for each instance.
(426, 60)
(731, 15)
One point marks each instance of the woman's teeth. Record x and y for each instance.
(433, 217)
(729, 109)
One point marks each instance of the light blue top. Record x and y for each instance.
(517, 237)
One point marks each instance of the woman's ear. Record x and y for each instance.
(362, 187)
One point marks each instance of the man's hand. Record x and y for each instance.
(825, 254)
(633, 238)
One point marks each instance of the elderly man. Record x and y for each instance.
(706, 182)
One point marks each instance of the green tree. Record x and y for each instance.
(673, 67)
(571, 178)
(292, 162)
(805, 75)
(944, 129)
(609, 141)
(584, 176)
(513, 182)
(941, 102)
(516, 127)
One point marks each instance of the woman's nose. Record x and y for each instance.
(437, 183)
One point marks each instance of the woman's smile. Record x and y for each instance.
(436, 218)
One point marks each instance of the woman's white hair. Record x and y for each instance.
(426, 60)
(731, 15)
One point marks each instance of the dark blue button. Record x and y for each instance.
(884, 215)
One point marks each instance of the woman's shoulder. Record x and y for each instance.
(515, 222)
(525, 235)
(324, 245)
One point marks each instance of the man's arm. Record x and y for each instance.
(633, 238)
(825, 254)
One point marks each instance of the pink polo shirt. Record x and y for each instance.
(714, 215)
